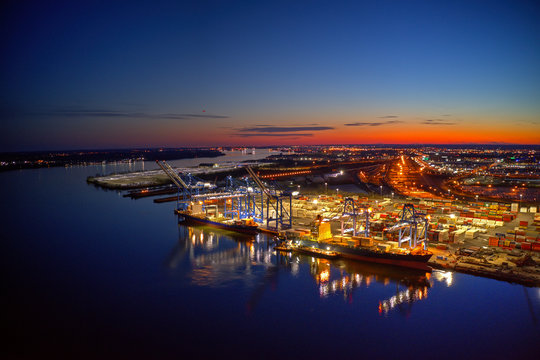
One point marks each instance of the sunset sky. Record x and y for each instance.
(112, 74)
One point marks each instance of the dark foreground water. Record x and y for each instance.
(90, 274)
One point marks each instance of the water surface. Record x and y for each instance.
(91, 274)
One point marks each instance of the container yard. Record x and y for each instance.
(498, 239)
(485, 239)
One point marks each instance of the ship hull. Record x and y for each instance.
(362, 254)
(244, 229)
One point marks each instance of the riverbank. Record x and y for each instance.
(44, 159)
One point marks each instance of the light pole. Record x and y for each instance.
(325, 188)
(392, 195)
(380, 187)
(520, 199)
(476, 197)
(337, 192)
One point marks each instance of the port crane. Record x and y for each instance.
(189, 187)
(240, 200)
(180, 184)
(412, 227)
(245, 200)
(277, 216)
(350, 217)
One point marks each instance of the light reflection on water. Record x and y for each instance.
(220, 259)
(114, 278)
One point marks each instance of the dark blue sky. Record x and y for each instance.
(93, 74)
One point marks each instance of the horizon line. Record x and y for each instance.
(270, 146)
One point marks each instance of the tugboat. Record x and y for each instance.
(288, 246)
(315, 251)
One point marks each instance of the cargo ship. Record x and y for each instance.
(415, 258)
(362, 249)
(244, 226)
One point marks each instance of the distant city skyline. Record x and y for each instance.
(84, 75)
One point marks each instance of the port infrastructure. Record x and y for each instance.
(350, 218)
(240, 199)
(412, 227)
(243, 200)
(188, 187)
(277, 201)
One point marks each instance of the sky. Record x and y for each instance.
(114, 74)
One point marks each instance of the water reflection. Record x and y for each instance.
(343, 277)
(218, 259)
(444, 276)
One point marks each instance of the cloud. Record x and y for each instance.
(364, 124)
(283, 129)
(439, 122)
(266, 134)
(291, 132)
(446, 115)
(388, 117)
(379, 123)
(76, 112)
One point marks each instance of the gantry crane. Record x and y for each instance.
(190, 187)
(350, 216)
(277, 216)
(180, 184)
(412, 227)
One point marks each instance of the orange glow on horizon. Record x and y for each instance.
(408, 131)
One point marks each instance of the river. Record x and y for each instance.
(91, 274)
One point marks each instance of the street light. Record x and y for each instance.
(392, 194)
(337, 192)
(380, 187)
(326, 188)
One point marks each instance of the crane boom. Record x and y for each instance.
(169, 171)
(258, 181)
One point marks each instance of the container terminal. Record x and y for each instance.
(497, 239)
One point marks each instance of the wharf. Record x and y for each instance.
(140, 179)
(490, 266)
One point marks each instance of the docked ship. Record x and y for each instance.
(363, 249)
(415, 258)
(245, 226)
(308, 250)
